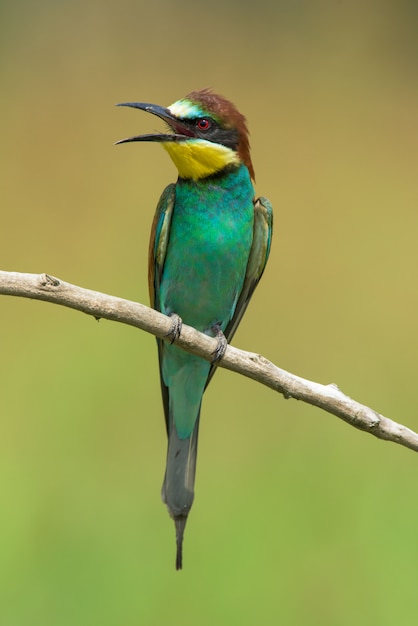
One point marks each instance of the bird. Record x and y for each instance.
(210, 242)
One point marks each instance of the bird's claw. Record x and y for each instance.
(175, 328)
(221, 346)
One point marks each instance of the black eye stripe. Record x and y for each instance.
(215, 133)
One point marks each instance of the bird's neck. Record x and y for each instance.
(231, 185)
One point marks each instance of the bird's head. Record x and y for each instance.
(207, 134)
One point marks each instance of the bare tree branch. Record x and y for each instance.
(255, 366)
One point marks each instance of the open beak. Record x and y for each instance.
(180, 132)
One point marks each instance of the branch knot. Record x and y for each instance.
(46, 280)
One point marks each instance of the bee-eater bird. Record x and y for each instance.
(210, 242)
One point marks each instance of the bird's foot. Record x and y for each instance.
(221, 346)
(175, 328)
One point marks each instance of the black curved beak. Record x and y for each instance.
(180, 132)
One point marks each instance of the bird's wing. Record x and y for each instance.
(259, 254)
(160, 234)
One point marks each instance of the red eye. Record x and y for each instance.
(203, 124)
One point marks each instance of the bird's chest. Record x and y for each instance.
(206, 260)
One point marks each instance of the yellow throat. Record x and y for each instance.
(198, 158)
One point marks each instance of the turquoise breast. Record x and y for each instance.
(210, 240)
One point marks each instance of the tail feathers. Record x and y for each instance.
(180, 522)
(178, 487)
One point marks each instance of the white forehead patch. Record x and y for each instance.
(184, 109)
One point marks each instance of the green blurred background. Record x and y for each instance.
(299, 519)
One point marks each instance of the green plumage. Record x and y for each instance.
(207, 252)
(209, 247)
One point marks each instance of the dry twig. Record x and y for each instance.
(99, 305)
